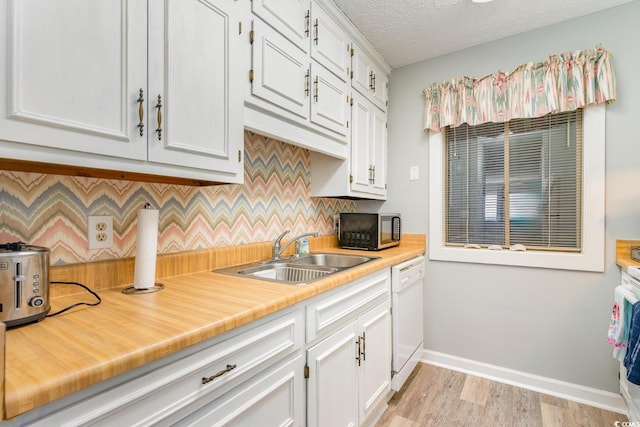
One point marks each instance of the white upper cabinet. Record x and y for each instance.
(195, 110)
(369, 79)
(364, 174)
(70, 75)
(330, 44)
(368, 148)
(298, 83)
(282, 75)
(127, 86)
(330, 104)
(291, 19)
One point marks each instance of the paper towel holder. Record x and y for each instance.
(129, 290)
(132, 290)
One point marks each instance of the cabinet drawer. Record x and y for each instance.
(156, 395)
(275, 398)
(331, 312)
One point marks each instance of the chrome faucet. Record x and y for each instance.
(277, 250)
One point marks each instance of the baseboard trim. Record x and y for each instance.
(565, 390)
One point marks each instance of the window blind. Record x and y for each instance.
(518, 182)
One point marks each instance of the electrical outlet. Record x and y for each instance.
(100, 231)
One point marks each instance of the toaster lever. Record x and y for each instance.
(18, 284)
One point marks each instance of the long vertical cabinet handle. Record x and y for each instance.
(359, 351)
(307, 19)
(315, 85)
(307, 82)
(140, 102)
(364, 346)
(159, 107)
(315, 27)
(373, 81)
(373, 171)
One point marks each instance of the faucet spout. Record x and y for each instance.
(276, 248)
(276, 245)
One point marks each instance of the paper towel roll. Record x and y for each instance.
(146, 247)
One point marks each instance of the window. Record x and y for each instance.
(515, 183)
(533, 182)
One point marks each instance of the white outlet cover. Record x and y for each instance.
(93, 231)
(414, 173)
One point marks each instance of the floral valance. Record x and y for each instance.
(563, 82)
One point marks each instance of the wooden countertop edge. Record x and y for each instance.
(26, 393)
(623, 253)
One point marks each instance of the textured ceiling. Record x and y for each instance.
(408, 31)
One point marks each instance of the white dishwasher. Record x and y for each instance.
(407, 283)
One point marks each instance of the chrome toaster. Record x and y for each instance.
(24, 283)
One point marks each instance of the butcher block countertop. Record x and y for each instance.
(70, 352)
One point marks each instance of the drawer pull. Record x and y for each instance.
(229, 368)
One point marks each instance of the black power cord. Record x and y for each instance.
(78, 303)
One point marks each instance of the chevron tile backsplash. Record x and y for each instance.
(52, 210)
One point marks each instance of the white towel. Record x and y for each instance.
(618, 333)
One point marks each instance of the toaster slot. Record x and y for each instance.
(19, 278)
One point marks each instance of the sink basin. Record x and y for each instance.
(297, 271)
(332, 260)
(286, 272)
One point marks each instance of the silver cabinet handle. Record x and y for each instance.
(307, 19)
(315, 84)
(307, 83)
(315, 27)
(364, 346)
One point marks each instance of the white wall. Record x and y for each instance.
(551, 323)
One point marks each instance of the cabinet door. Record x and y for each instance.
(379, 149)
(380, 89)
(330, 45)
(375, 367)
(291, 19)
(361, 161)
(368, 79)
(330, 104)
(332, 385)
(281, 71)
(368, 147)
(194, 93)
(70, 74)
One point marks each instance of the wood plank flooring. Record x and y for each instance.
(434, 396)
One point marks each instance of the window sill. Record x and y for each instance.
(539, 259)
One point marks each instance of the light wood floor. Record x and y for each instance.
(434, 396)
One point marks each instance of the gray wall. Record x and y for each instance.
(545, 322)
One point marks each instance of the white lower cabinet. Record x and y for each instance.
(349, 371)
(247, 369)
(339, 341)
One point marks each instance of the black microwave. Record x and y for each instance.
(369, 231)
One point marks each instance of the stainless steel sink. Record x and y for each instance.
(297, 271)
(332, 260)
